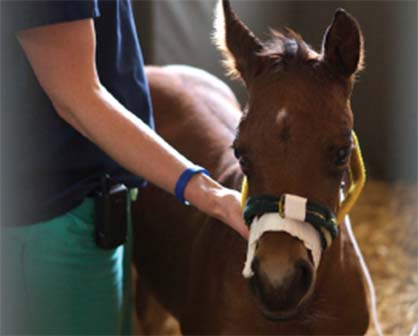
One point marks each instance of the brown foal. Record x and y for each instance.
(294, 137)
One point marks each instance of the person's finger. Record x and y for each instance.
(238, 224)
(244, 232)
(239, 221)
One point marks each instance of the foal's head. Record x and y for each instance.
(294, 137)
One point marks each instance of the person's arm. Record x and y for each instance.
(63, 59)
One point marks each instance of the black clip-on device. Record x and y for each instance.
(111, 214)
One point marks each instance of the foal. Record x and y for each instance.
(293, 138)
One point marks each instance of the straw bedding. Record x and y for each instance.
(385, 222)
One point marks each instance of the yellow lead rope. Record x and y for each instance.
(357, 176)
(244, 191)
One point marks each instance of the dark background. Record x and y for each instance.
(385, 97)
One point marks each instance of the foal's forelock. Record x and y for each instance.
(284, 46)
(287, 46)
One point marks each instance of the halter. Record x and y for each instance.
(296, 208)
(259, 213)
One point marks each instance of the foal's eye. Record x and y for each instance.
(243, 160)
(245, 164)
(342, 155)
(237, 154)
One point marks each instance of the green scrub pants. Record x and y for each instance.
(55, 280)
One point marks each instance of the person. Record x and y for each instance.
(75, 107)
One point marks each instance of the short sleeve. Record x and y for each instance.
(29, 14)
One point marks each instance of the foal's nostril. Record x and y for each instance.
(303, 274)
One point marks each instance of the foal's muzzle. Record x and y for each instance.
(287, 236)
(282, 280)
(310, 222)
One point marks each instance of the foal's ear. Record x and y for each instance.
(239, 46)
(342, 46)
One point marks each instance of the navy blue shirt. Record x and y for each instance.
(47, 167)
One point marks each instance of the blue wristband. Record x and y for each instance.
(184, 179)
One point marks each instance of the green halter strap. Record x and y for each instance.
(323, 220)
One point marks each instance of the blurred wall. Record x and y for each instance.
(385, 98)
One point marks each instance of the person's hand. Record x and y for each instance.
(230, 211)
(217, 201)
